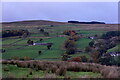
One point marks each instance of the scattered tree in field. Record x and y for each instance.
(46, 33)
(49, 46)
(65, 57)
(69, 32)
(42, 30)
(30, 42)
(71, 50)
(51, 25)
(3, 50)
(91, 43)
(41, 39)
(39, 52)
(69, 43)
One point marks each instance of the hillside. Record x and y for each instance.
(33, 23)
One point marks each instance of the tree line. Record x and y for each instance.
(10, 33)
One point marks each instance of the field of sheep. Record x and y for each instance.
(49, 63)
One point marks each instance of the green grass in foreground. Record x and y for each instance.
(18, 72)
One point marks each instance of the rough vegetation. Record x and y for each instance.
(60, 68)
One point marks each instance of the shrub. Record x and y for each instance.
(30, 72)
(48, 76)
(84, 59)
(25, 58)
(91, 43)
(15, 58)
(54, 68)
(69, 43)
(71, 50)
(6, 69)
(61, 71)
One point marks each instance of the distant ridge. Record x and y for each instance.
(36, 22)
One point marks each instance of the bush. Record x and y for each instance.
(91, 43)
(69, 43)
(88, 49)
(71, 50)
(61, 71)
(15, 58)
(84, 59)
(25, 58)
(48, 76)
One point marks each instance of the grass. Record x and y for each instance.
(81, 54)
(18, 72)
(83, 43)
(91, 32)
(32, 51)
(20, 50)
(9, 41)
(116, 48)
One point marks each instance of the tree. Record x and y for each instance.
(69, 43)
(95, 56)
(84, 59)
(39, 52)
(65, 57)
(91, 43)
(41, 30)
(41, 39)
(46, 33)
(71, 50)
(88, 49)
(49, 46)
(30, 42)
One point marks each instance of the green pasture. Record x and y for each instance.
(83, 43)
(18, 47)
(18, 72)
(91, 32)
(116, 48)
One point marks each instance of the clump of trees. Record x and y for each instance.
(110, 34)
(98, 48)
(10, 33)
(69, 44)
(44, 32)
(30, 42)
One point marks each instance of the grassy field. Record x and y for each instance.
(25, 73)
(17, 47)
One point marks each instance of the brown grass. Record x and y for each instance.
(60, 67)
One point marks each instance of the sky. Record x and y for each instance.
(60, 11)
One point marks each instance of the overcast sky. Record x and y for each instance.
(60, 11)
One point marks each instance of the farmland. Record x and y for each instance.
(17, 47)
